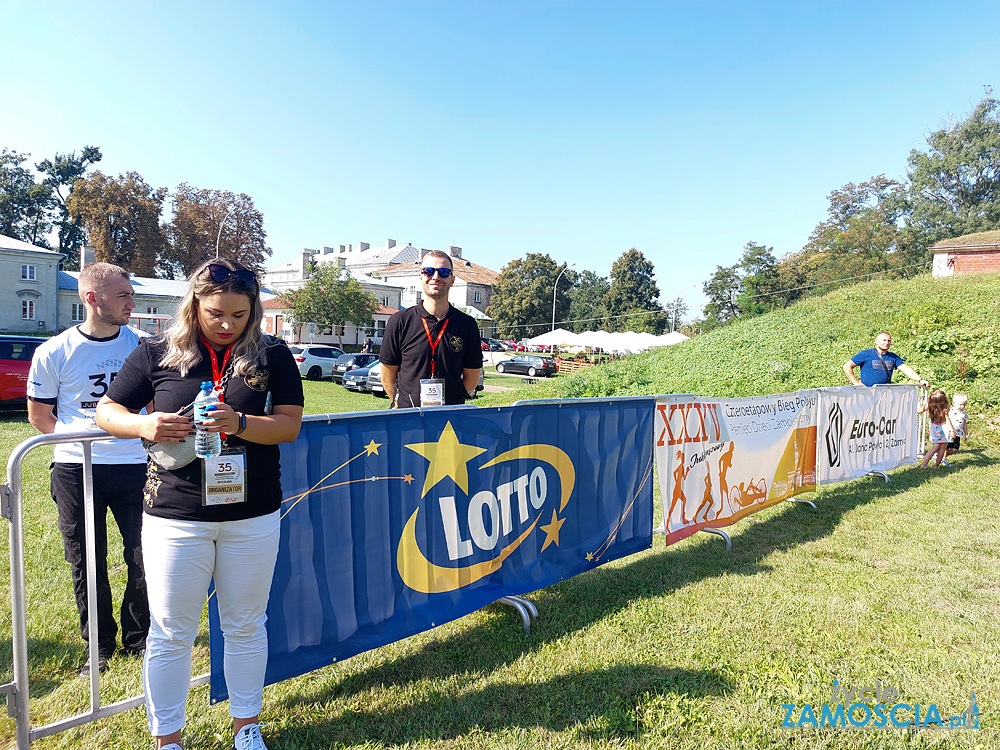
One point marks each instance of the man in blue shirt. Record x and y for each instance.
(878, 364)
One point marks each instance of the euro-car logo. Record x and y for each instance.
(834, 433)
(487, 521)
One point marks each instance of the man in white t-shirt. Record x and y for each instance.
(69, 374)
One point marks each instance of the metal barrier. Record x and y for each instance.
(11, 506)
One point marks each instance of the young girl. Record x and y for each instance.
(941, 429)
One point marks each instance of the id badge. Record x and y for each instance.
(225, 478)
(431, 392)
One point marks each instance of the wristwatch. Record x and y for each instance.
(243, 423)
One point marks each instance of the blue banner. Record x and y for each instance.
(395, 522)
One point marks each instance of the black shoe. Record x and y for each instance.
(102, 664)
(137, 651)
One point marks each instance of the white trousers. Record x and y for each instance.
(181, 557)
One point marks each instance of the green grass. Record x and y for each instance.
(685, 647)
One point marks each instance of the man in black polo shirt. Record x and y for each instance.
(431, 341)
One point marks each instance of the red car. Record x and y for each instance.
(15, 360)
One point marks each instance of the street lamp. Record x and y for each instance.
(554, 287)
(219, 235)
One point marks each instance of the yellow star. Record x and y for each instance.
(372, 448)
(590, 556)
(408, 478)
(447, 459)
(551, 530)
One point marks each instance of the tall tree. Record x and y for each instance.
(194, 230)
(862, 233)
(522, 297)
(723, 291)
(586, 301)
(331, 297)
(61, 174)
(633, 291)
(24, 202)
(122, 219)
(955, 186)
(759, 271)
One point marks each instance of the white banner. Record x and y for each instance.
(720, 459)
(864, 429)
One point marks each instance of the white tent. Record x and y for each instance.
(558, 337)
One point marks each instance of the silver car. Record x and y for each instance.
(315, 361)
(375, 380)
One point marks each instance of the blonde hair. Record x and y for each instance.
(92, 277)
(184, 332)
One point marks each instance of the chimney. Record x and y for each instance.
(423, 252)
(362, 246)
(389, 244)
(88, 254)
(455, 252)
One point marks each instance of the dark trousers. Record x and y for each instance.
(118, 488)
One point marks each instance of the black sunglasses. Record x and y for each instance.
(221, 274)
(444, 273)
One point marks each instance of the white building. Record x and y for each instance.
(28, 288)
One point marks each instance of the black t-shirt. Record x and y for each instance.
(178, 494)
(406, 346)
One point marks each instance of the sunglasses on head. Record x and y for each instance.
(221, 274)
(444, 273)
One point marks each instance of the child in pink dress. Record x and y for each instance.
(941, 431)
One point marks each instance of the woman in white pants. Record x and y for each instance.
(225, 526)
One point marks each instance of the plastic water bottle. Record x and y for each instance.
(206, 444)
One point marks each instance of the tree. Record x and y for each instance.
(192, 234)
(61, 174)
(723, 291)
(955, 187)
(586, 300)
(24, 203)
(633, 291)
(331, 297)
(122, 219)
(759, 280)
(522, 297)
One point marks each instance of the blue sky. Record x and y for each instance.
(576, 129)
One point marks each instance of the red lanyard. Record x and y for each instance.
(216, 372)
(432, 342)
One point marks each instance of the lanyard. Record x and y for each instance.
(433, 342)
(216, 372)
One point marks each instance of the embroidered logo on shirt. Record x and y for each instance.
(456, 343)
(257, 381)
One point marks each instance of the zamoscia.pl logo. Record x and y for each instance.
(877, 706)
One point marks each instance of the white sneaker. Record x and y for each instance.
(249, 738)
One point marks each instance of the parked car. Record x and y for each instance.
(315, 361)
(375, 386)
(484, 344)
(528, 364)
(15, 360)
(496, 345)
(357, 379)
(347, 362)
(518, 346)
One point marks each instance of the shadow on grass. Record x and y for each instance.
(565, 608)
(601, 701)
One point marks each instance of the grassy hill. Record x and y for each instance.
(948, 330)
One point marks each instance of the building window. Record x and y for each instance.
(27, 272)
(79, 312)
(478, 297)
(338, 331)
(380, 328)
(27, 309)
(151, 311)
(385, 301)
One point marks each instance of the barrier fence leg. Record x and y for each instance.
(523, 607)
(723, 534)
(804, 501)
(880, 474)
